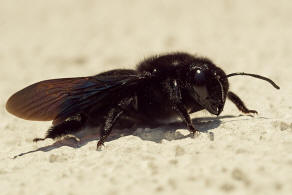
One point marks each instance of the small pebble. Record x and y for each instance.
(211, 136)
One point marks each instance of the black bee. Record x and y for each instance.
(162, 87)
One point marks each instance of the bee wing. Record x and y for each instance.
(59, 99)
(41, 101)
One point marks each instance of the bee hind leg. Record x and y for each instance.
(70, 125)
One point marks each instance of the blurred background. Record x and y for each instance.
(72, 38)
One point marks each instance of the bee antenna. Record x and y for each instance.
(256, 76)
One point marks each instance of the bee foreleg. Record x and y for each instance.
(184, 115)
(175, 98)
(239, 103)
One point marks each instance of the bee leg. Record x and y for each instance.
(70, 125)
(184, 115)
(111, 118)
(177, 105)
(239, 103)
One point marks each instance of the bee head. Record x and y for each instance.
(208, 85)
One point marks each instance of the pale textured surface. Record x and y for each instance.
(64, 38)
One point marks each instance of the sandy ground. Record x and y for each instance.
(64, 38)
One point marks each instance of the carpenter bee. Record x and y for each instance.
(160, 88)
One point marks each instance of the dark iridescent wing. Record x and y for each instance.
(58, 99)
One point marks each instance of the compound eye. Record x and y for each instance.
(200, 77)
